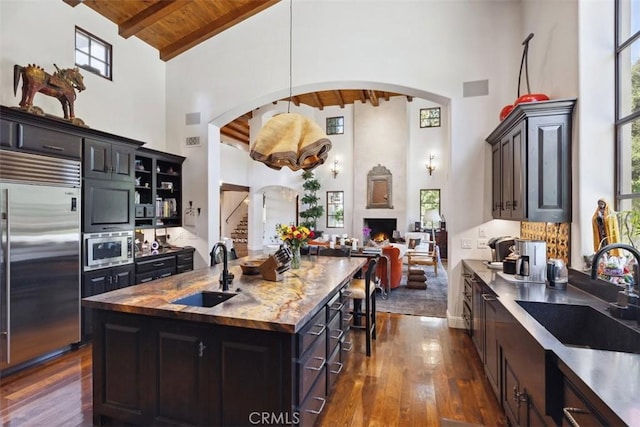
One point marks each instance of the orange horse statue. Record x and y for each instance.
(60, 85)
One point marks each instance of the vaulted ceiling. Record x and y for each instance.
(175, 26)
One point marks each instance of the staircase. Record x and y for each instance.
(240, 237)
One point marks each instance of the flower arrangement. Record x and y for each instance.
(293, 236)
(366, 233)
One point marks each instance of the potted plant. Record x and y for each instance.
(313, 211)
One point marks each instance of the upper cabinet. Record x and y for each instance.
(158, 197)
(531, 163)
(108, 160)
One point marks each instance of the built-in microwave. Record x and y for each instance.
(107, 249)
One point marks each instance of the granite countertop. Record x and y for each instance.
(283, 306)
(613, 376)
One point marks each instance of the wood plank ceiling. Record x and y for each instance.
(175, 26)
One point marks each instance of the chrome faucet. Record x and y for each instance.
(225, 277)
(607, 248)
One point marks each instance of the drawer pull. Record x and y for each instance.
(320, 332)
(340, 335)
(322, 362)
(347, 318)
(338, 307)
(347, 293)
(340, 366)
(466, 275)
(347, 346)
(568, 415)
(165, 275)
(489, 297)
(158, 264)
(324, 401)
(52, 147)
(146, 279)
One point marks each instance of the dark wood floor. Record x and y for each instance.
(420, 372)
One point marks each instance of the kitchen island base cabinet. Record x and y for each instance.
(150, 371)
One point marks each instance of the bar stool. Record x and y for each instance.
(365, 290)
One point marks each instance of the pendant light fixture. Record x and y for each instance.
(290, 139)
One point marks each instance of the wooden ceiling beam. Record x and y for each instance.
(316, 99)
(149, 16)
(239, 126)
(409, 98)
(385, 95)
(373, 97)
(339, 98)
(215, 27)
(363, 96)
(72, 3)
(227, 131)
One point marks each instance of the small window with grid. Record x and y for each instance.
(93, 54)
(335, 125)
(430, 117)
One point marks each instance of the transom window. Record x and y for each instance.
(335, 125)
(93, 54)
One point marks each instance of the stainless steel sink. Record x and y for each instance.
(204, 299)
(584, 326)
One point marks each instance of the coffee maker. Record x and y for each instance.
(531, 265)
(501, 247)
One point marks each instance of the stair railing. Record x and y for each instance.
(236, 208)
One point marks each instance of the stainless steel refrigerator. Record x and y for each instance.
(39, 256)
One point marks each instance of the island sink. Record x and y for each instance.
(584, 326)
(204, 299)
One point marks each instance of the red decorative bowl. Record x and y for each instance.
(531, 97)
(505, 111)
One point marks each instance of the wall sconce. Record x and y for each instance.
(334, 169)
(431, 167)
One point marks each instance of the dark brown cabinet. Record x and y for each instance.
(150, 371)
(441, 241)
(531, 163)
(158, 181)
(101, 281)
(39, 139)
(108, 160)
(165, 264)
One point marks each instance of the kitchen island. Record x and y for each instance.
(268, 354)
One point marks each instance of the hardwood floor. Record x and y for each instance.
(420, 371)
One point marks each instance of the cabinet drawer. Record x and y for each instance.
(42, 140)
(336, 334)
(315, 402)
(155, 274)
(311, 366)
(185, 259)
(313, 330)
(334, 368)
(156, 264)
(184, 268)
(8, 133)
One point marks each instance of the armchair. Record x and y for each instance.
(394, 255)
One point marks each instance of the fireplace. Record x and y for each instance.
(381, 228)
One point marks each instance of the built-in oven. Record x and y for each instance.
(107, 249)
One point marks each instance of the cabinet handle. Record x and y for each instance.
(340, 334)
(52, 147)
(347, 318)
(116, 279)
(320, 332)
(467, 275)
(347, 346)
(519, 396)
(515, 204)
(508, 204)
(568, 415)
(201, 348)
(324, 401)
(340, 366)
(338, 307)
(165, 275)
(489, 297)
(347, 293)
(147, 279)
(314, 368)
(111, 280)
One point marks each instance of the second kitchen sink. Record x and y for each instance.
(584, 326)
(204, 299)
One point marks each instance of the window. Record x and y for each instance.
(429, 200)
(430, 117)
(335, 125)
(627, 107)
(335, 209)
(93, 54)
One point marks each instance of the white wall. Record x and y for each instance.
(474, 40)
(132, 105)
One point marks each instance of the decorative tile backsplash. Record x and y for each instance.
(555, 234)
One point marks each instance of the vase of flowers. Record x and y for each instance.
(295, 238)
(366, 234)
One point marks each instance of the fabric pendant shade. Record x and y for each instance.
(291, 140)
